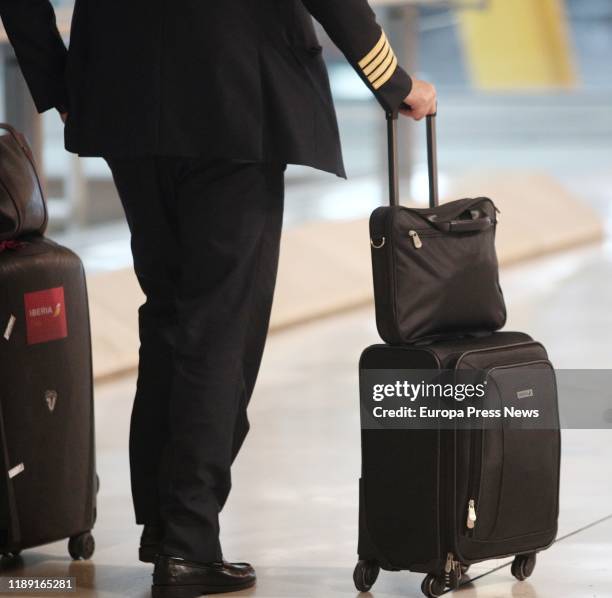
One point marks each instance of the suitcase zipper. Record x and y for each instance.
(471, 514)
(494, 349)
(474, 481)
(449, 563)
(417, 236)
(416, 240)
(477, 445)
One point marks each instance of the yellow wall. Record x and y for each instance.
(518, 44)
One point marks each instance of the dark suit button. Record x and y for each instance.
(314, 50)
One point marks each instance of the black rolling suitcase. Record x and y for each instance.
(437, 500)
(48, 483)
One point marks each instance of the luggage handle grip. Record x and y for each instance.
(432, 159)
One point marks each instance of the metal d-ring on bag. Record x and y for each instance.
(23, 209)
(435, 269)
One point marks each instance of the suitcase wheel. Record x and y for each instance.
(523, 566)
(81, 546)
(433, 586)
(13, 554)
(455, 575)
(365, 575)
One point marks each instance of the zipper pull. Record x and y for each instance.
(471, 517)
(449, 563)
(416, 239)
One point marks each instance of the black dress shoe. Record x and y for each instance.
(150, 541)
(177, 578)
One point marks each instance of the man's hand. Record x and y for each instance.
(421, 101)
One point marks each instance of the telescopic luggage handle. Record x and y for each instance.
(432, 160)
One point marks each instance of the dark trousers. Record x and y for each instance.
(205, 239)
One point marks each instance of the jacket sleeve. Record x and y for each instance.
(352, 26)
(40, 50)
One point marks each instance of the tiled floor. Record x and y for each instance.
(294, 505)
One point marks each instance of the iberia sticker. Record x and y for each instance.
(45, 315)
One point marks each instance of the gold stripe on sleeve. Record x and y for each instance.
(382, 55)
(373, 52)
(382, 69)
(387, 75)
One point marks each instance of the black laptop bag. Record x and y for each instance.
(435, 269)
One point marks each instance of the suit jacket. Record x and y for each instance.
(236, 79)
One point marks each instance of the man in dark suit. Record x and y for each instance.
(198, 107)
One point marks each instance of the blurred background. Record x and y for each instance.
(522, 85)
(525, 117)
